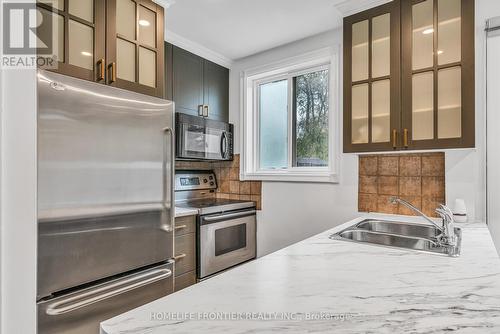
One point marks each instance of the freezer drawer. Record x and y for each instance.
(75, 252)
(81, 312)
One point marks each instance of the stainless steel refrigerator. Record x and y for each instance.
(105, 202)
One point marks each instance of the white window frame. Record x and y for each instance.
(327, 58)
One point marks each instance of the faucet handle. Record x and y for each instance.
(445, 215)
(446, 209)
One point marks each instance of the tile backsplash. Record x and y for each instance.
(228, 179)
(417, 178)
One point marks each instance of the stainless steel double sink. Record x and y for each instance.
(420, 237)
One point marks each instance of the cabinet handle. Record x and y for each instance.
(405, 138)
(180, 227)
(200, 110)
(112, 74)
(205, 111)
(394, 138)
(180, 256)
(100, 64)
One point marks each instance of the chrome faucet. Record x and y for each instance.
(447, 236)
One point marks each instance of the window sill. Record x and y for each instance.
(292, 176)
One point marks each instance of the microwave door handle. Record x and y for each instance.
(100, 294)
(223, 145)
(168, 177)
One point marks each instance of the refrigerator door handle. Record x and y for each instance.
(93, 296)
(168, 177)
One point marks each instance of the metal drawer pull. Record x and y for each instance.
(101, 65)
(229, 216)
(180, 227)
(77, 302)
(112, 72)
(180, 256)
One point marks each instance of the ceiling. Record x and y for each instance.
(234, 29)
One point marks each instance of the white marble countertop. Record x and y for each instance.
(182, 212)
(322, 285)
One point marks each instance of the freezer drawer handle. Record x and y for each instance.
(79, 301)
(229, 216)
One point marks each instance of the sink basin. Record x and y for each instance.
(399, 228)
(418, 237)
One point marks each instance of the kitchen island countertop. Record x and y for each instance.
(324, 285)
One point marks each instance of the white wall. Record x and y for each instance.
(18, 201)
(294, 211)
(493, 103)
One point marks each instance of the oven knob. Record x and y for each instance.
(210, 177)
(205, 180)
(212, 183)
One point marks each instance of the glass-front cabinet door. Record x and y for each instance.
(78, 35)
(437, 74)
(371, 79)
(135, 46)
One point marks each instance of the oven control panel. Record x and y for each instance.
(195, 180)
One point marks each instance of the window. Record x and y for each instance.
(288, 122)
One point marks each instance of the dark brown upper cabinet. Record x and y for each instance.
(409, 79)
(114, 42)
(79, 28)
(134, 46)
(371, 78)
(198, 86)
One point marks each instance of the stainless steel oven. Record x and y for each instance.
(225, 240)
(203, 139)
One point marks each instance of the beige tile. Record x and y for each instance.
(245, 197)
(245, 188)
(414, 200)
(236, 161)
(255, 187)
(433, 164)
(429, 205)
(234, 187)
(410, 186)
(224, 186)
(224, 173)
(410, 165)
(367, 184)
(433, 186)
(234, 174)
(234, 196)
(368, 165)
(388, 185)
(367, 202)
(223, 195)
(258, 201)
(226, 164)
(385, 206)
(388, 165)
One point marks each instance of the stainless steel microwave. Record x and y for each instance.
(203, 139)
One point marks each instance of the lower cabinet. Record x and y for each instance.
(185, 252)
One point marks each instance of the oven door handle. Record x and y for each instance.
(227, 216)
